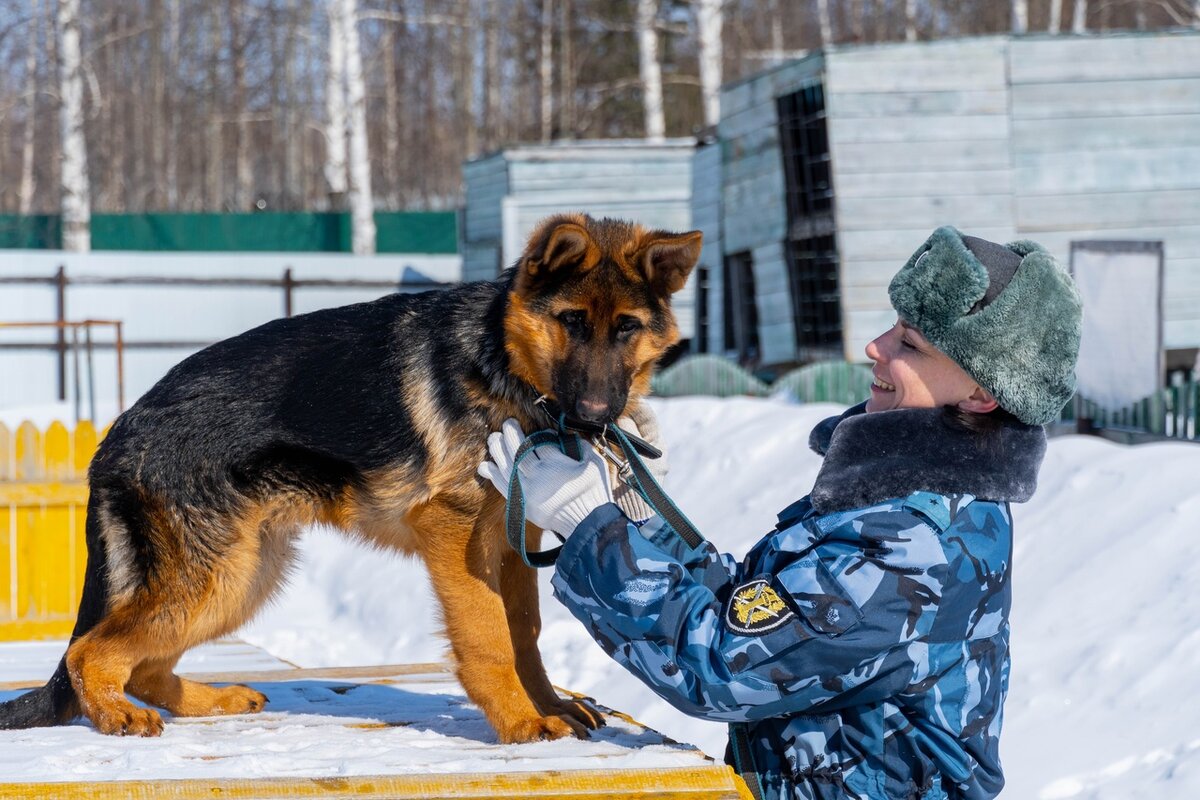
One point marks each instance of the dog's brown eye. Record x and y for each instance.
(627, 326)
(573, 321)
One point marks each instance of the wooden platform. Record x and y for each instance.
(402, 731)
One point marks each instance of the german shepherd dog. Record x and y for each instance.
(371, 418)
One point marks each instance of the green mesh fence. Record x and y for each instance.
(824, 382)
(396, 232)
(706, 375)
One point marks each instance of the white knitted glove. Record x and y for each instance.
(641, 422)
(559, 491)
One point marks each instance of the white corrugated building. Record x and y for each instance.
(832, 169)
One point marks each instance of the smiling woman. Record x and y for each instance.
(860, 650)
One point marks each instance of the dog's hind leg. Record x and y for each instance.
(154, 682)
(519, 590)
(188, 595)
(464, 567)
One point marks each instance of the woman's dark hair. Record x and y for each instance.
(974, 422)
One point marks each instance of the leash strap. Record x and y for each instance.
(644, 484)
(514, 507)
(636, 476)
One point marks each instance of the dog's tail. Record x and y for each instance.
(52, 704)
(56, 703)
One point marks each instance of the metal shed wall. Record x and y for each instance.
(706, 217)
(1106, 145)
(753, 194)
(486, 181)
(918, 135)
(1052, 138)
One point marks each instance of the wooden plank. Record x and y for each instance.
(778, 342)
(761, 115)
(941, 128)
(1180, 334)
(969, 65)
(898, 104)
(605, 150)
(713, 782)
(1181, 287)
(1107, 133)
(901, 243)
(860, 327)
(869, 273)
(290, 674)
(965, 213)
(1096, 210)
(1106, 98)
(920, 156)
(1103, 58)
(1181, 242)
(865, 298)
(1107, 171)
(900, 183)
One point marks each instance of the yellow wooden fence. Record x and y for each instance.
(43, 505)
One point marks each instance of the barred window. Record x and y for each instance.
(810, 249)
(741, 312)
(812, 266)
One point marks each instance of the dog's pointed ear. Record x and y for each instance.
(668, 258)
(557, 243)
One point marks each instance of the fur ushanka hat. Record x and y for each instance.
(1007, 314)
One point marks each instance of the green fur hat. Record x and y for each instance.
(1007, 314)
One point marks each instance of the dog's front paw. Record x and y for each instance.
(126, 719)
(538, 728)
(580, 710)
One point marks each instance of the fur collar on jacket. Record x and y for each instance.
(870, 458)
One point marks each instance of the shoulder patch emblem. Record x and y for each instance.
(755, 608)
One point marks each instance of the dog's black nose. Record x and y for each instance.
(591, 410)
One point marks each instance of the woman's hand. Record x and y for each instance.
(641, 422)
(559, 491)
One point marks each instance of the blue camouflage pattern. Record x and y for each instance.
(883, 672)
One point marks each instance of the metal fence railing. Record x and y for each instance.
(1173, 412)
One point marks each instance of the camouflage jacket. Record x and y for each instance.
(860, 650)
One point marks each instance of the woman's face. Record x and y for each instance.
(912, 373)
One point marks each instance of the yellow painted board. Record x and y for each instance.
(29, 630)
(711, 783)
(43, 493)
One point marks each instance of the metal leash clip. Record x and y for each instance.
(624, 471)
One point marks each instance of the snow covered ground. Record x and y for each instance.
(1106, 629)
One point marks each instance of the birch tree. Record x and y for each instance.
(335, 110)
(1055, 23)
(910, 20)
(362, 207)
(826, 23)
(546, 69)
(1079, 22)
(1020, 16)
(76, 197)
(709, 24)
(25, 194)
(650, 70)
